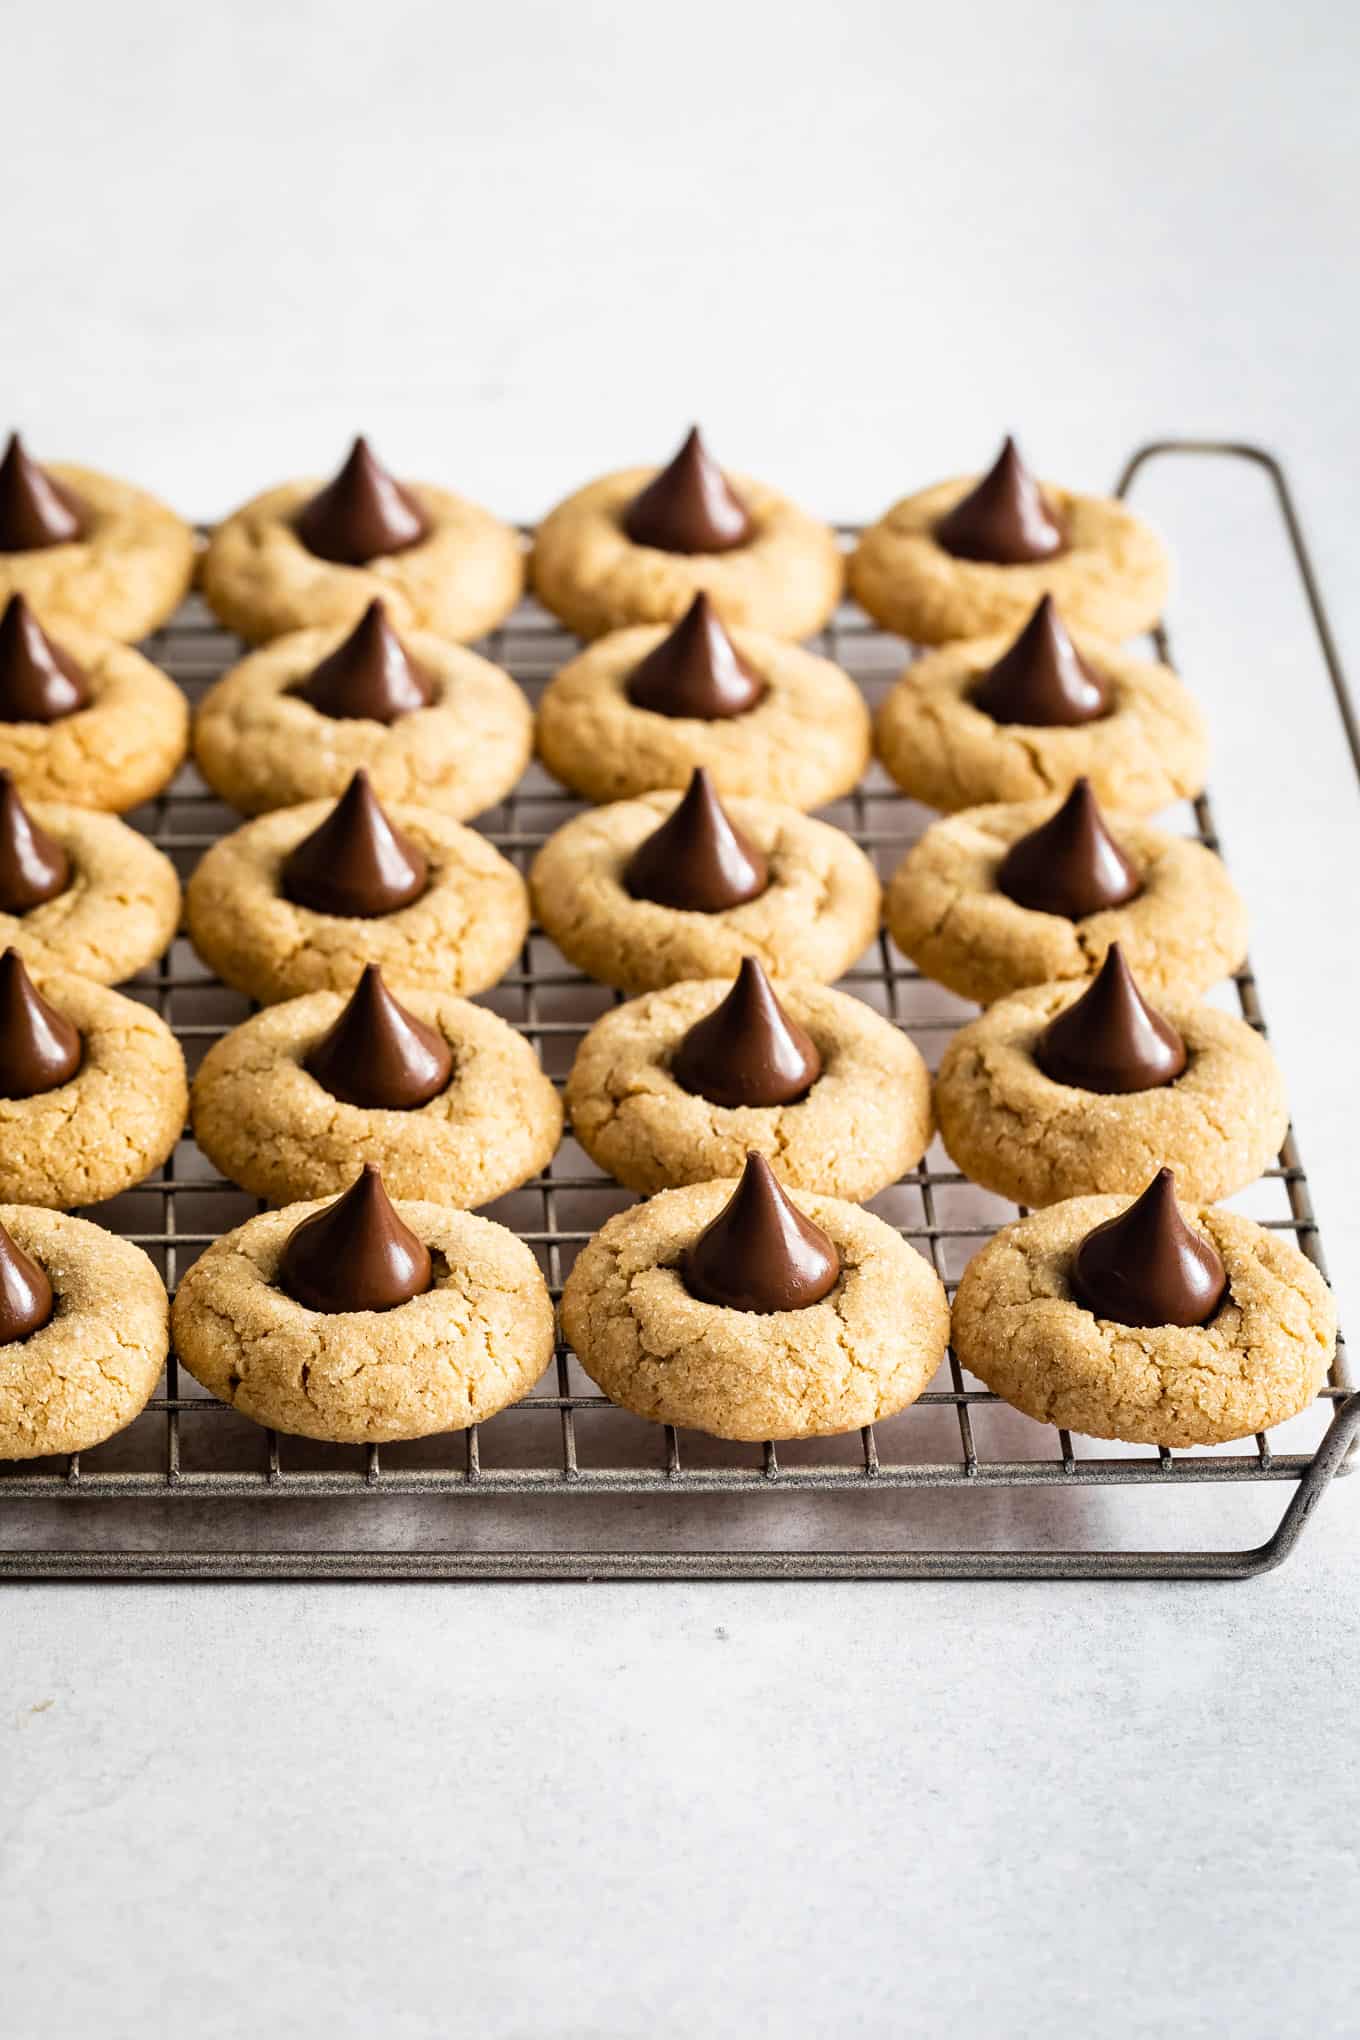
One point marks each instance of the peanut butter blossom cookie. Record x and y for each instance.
(81, 891)
(749, 1313)
(681, 1085)
(429, 721)
(84, 1331)
(302, 555)
(672, 886)
(447, 1100)
(971, 558)
(1122, 1320)
(301, 899)
(997, 898)
(641, 708)
(363, 1321)
(1015, 719)
(83, 718)
(89, 552)
(639, 545)
(1062, 1091)
(92, 1089)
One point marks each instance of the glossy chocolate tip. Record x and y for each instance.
(690, 507)
(364, 514)
(698, 861)
(355, 1254)
(33, 865)
(1043, 681)
(370, 677)
(357, 863)
(39, 682)
(26, 1300)
(1003, 521)
(696, 671)
(1146, 1267)
(760, 1254)
(1070, 865)
(36, 510)
(379, 1056)
(1111, 1040)
(748, 1050)
(39, 1047)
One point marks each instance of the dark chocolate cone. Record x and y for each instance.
(697, 671)
(36, 510)
(1071, 864)
(1111, 1040)
(39, 1048)
(760, 1254)
(1146, 1267)
(357, 863)
(698, 860)
(747, 1051)
(689, 507)
(1043, 681)
(39, 682)
(33, 866)
(355, 1254)
(1004, 520)
(371, 676)
(378, 1055)
(364, 514)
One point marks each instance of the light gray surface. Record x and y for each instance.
(518, 245)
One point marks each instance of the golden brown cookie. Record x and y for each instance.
(464, 930)
(785, 579)
(459, 581)
(128, 571)
(862, 1353)
(818, 912)
(1109, 579)
(1150, 750)
(117, 913)
(1017, 1132)
(865, 1121)
(91, 1368)
(266, 1122)
(477, 1340)
(805, 742)
(118, 751)
(1185, 930)
(1260, 1359)
(260, 745)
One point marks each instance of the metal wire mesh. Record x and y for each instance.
(565, 1436)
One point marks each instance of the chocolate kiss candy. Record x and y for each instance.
(362, 515)
(696, 671)
(357, 863)
(25, 1293)
(689, 507)
(1071, 864)
(39, 683)
(1146, 1267)
(1004, 520)
(371, 675)
(33, 867)
(1043, 680)
(760, 1253)
(355, 1254)
(697, 860)
(1111, 1039)
(378, 1055)
(39, 1048)
(747, 1051)
(35, 510)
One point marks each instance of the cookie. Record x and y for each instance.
(1107, 570)
(1260, 1359)
(441, 564)
(1184, 930)
(861, 1353)
(113, 730)
(1017, 1131)
(460, 932)
(478, 1338)
(1148, 749)
(110, 1097)
(261, 744)
(264, 1119)
(99, 555)
(804, 740)
(90, 1368)
(814, 911)
(114, 900)
(766, 565)
(865, 1119)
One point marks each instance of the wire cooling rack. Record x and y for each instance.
(450, 1504)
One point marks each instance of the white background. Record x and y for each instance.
(519, 244)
